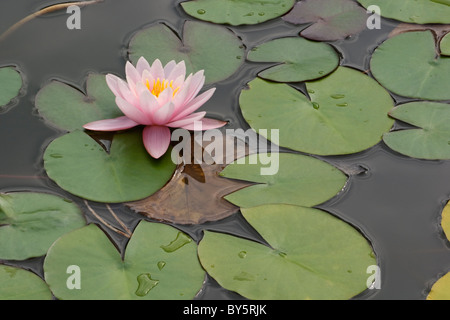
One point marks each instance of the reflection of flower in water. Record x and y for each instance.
(159, 98)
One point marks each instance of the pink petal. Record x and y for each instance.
(178, 71)
(132, 112)
(121, 123)
(165, 96)
(180, 98)
(198, 80)
(187, 120)
(194, 104)
(169, 67)
(141, 88)
(181, 82)
(132, 75)
(148, 104)
(206, 124)
(163, 114)
(142, 65)
(156, 140)
(113, 83)
(147, 77)
(126, 93)
(157, 70)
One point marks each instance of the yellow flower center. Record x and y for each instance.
(159, 86)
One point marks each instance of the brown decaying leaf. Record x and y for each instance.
(195, 193)
(330, 20)
(439, 30)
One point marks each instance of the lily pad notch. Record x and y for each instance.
(425, 73)
(312, 183)
(346, 112)
(329, 20)
(159, 263)
(430, 137)
(203, 46)
(68, 108)
(79, 165)
(30, 222)
(237, 12)
(11, 85)
(316, 256)
(296, 59)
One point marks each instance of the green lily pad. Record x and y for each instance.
(298, 59)
(413, 11)
(79, 165)
(311, 183)
(445, 220)
(19, 284)
(237, 12)
(312, 255)
(423, 75)
(440, 289)
(69, 109)
(445, 45)
(30, 222)
(330, 19)
(10, 85)
(431, 140)
(214, 49)
(160, 263)
(347, 112)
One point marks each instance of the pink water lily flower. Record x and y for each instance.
(159, 98)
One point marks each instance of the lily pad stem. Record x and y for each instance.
(43, 11)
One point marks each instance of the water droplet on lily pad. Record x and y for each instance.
(146, 284)
(237, 12)
(11, 271)
(316, 105)
(201, 11)
(242, 254)
(244, 276)
(181, 240)
(161, 265)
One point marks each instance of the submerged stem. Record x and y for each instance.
(52, 8)
(10, 176)
(119, 221)
(104, 222)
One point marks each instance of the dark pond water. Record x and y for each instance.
(396, 201)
